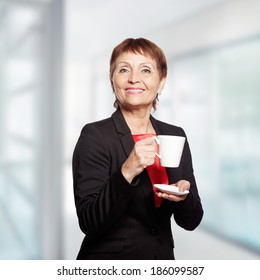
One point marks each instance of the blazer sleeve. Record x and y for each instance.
(100, 197)
(189, 212)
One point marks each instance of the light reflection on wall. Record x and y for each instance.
(216, 99)
(19, 187)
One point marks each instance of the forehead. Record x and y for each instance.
(135, 58)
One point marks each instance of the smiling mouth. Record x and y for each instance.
(134, 90)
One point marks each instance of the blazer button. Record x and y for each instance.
(154, 231)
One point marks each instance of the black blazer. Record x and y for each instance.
(119, 219)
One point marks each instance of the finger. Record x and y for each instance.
(171, 197)
(146, 145)
(183, 185)
(149, 162)
(143, 159)
(148, 140)
(142, 149)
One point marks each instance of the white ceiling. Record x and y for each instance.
(96, 26)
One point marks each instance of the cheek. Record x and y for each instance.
(117, 82)
(155, 85)
(116, 87)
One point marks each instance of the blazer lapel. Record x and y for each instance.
(123, 131)
(156, 125)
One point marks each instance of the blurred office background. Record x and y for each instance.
(54, 61)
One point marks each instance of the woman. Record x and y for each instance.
(115, 167)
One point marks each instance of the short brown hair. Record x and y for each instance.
(139, 46)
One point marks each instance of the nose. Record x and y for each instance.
(133, 77)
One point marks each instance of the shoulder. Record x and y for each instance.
(111, 126)
(93, 137)
(98, 127)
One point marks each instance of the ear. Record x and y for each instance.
(161, 85)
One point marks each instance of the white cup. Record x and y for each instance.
(170, 149)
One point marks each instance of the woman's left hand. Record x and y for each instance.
(182, 185)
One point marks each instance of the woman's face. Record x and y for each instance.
(136, 81)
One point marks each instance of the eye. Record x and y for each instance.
(123, 70)
(146, 70)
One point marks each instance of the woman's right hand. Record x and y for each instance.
(142, 155)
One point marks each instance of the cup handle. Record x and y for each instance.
(158, 143)
(156, 140)
(159, 156)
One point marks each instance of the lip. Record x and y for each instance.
(132, 90)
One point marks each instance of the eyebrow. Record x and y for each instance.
(141, 64)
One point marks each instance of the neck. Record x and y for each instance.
(138, 121)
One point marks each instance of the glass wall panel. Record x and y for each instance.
(216, 99)
(20, 39)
